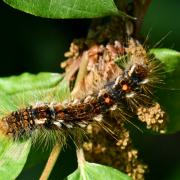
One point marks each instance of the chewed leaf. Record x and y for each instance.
(13, 156)
(94, 171)
(66, 8)
(168, 57)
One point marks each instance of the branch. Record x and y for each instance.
(140, 11)
(51, 162)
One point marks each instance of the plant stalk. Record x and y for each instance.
(51, 162)
(81, 73)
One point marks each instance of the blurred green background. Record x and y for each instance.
(33, 44)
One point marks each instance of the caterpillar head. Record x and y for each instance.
(133, 78)
(131, 84)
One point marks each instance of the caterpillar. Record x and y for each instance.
(129, 90)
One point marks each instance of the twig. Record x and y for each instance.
(81, 162)
(51, 162)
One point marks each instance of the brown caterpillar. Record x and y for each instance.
(129, 89)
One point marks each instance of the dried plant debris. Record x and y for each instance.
(154, 117)
(101, 66)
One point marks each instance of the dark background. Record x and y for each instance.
(33, 44)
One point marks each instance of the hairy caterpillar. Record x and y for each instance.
(129, 90)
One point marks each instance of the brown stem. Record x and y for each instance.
(121, 4)
(81, 74)
(140, 11)
(51, 162)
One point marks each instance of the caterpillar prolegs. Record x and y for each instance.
(130, 89)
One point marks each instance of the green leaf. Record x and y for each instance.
(169, 57)
(14, 92)
(66, 8)
(169, 96)
(29, 82)
(13, 156)
(94, 171)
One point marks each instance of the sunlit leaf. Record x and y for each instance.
(66, 8)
